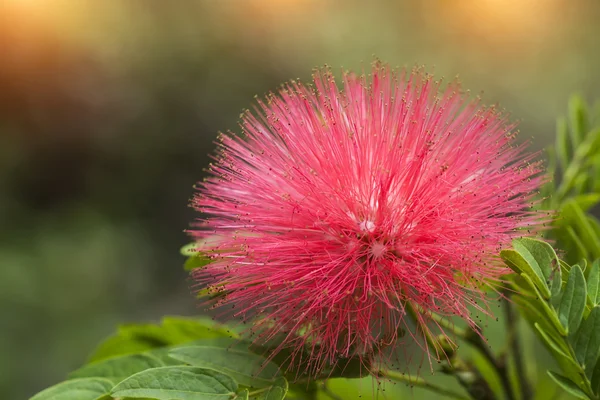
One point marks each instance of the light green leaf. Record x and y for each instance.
(550, 342)
(196, 261)
(277, 391)
(189, 250)
(586, 342)
(76, 389)
(549, 313)
(572, 303)
(542, 253)
(247, 368)
(178, 383)
(587, 200)
(578, 120)
(593, 283)
(574, 216)
(118, 345)
(243, 395)
(568, 385)
(563, 147)
(521, 260)
(118, 368)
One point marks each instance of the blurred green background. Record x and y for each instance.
(108, 110)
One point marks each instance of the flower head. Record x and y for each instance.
(340, 210)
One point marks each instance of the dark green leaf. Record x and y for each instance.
(118, 368)
(593, 283)
(247, 368)
(568, 385)
(572, 303)
(587, 341)
(596, 378)
(277, 391)
(76, 389)
(178, 383)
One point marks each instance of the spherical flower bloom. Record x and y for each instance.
(342, 211)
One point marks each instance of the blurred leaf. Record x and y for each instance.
(178, 383)
(277, 391)
(587, 200)
(562, 145)
(572, 303)
(196, 261)
(574, 216)
(137, 338)
(578, 120)
(118, 368)
(189, 250)
(593, 283)
(587, 341)
(120, 345)
(243, 395)
(247, 368)
(568, 385)
(76, 389)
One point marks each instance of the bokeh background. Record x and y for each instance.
(109, 108)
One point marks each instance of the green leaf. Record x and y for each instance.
(587, 341)
(243, 395)
(118, 368)
(572, 303)
(574, 216)
(578, 120)
(550, 342)
(118, 345)
(76, 389)
(549, 313)
(178, 383)
(593, 283)
(247, 368)
(521, 260)
(189, 250)
(568, 385)
(563, 147)
(587, 200)
(197, 261)
(596, 378)
(277, 391)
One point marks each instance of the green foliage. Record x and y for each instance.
(567, 322)
(77, 389)
(575, 187)
(136, 338)
(247, 368)
(179, 359)
(178, 383)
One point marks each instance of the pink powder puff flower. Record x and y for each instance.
(340, 210)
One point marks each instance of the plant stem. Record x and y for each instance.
(498, 364)
(420, 382)
(514, 348)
